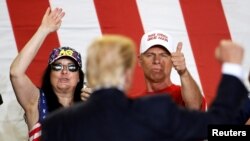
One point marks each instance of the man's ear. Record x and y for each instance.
(249, 77)
(128, 78)
(139, 60)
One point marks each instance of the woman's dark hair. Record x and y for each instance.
(51, 98)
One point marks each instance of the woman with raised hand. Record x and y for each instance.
(62, 80)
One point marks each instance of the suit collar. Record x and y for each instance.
(109, 96)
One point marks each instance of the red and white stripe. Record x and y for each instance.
(35, 132)
(198, 24)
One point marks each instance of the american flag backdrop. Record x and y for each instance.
(199, 24)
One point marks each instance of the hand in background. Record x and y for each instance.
(52, 19)
(85, 93)
(178, 60)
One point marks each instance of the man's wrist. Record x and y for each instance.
(233, 69)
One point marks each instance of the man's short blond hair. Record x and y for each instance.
(108, 58)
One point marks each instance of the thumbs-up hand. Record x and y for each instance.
(85, 93)
(178, 60)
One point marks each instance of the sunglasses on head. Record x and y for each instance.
(59, 67)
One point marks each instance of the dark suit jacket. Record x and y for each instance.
(109, 115)
(244, 113)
